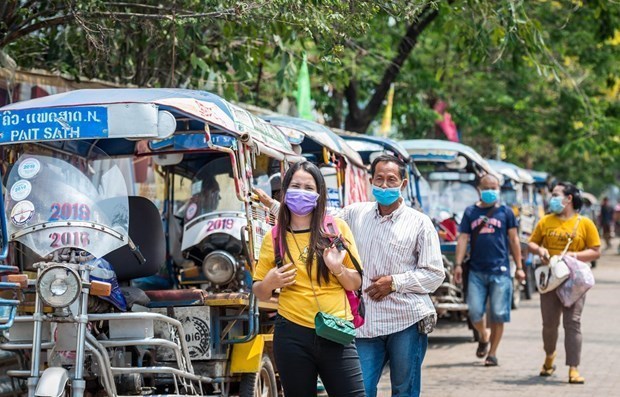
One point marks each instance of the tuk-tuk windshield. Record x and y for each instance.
(53, 203)
(213, 190)
(509, 197)
(442, 199)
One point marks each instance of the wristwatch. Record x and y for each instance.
(393, 286)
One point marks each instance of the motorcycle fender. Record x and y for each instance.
(246, 357)
(52, 383)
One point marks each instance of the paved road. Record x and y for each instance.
(452, 369)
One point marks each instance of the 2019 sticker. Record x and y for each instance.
(29, 168)
(69, 211)
(22, 212)
(69, 239)
(20, 190)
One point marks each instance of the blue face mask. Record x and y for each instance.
(489, 196)
(387, 196)
(555, 205)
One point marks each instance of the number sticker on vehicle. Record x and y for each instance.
(69, 239)
(69, 211)
(218, 224)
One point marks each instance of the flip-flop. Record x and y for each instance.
(482, 349)
(491, 361)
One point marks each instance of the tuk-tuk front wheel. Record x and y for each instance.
(260, 384)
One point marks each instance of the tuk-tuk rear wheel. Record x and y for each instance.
(260, 384)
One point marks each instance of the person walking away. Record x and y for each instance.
(606, 219)
(490, 229)
(400, 249)
(550, 237)
(313, 279)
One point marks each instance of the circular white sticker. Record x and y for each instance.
(22, 212)
(191, 211)
(29, 168)
(20, 190)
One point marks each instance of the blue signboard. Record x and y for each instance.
(333, 198)
(52, 124)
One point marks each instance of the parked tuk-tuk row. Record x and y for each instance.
(130, 233)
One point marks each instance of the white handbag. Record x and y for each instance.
(549, 277)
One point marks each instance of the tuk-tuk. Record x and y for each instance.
(369, 147)
(450, 173)
(344, 171)
(517, 192)
(74, 224)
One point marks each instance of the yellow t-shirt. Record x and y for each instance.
(552, 233)
(296, 303)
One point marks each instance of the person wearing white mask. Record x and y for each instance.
(550, 237)
(490, 230)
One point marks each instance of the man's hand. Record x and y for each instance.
(520, 275)
(263, 197)
(380, 288)
(458, 274)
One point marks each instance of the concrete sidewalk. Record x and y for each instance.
(452, 369)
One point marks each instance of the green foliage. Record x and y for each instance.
(539, 77)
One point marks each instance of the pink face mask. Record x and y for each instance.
(301, 202)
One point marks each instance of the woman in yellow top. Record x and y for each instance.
(314, 275)
(549, 238)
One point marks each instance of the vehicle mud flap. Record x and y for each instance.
(53, 382)
(261, 383)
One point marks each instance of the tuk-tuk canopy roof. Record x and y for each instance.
(511, 171)
(440, 151)
(320, 134)
(367, 143)
(134, 113)
(540, 177)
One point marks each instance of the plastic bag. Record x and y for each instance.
(581, 279)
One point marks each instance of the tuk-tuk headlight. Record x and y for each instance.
(219, 267)
(58, 286)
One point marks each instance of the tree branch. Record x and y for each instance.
(405, 47)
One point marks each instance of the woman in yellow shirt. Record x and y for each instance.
(314, 278)
(549, 238)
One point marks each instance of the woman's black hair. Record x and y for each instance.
(318, 237)
(571, 190)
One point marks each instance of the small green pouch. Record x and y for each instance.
(334, 328)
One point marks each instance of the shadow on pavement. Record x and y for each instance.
(532, 380)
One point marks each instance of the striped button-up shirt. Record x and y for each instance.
(404, 245)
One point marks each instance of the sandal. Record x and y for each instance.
(574, 377)
(548, 368)
(491, 361)
(482, 349)
(547, 371)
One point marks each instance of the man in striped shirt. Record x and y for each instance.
(400, 251)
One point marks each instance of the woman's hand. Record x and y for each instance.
(544, 255)
(333, 259)
(280, 277)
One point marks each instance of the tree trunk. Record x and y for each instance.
(359, 119)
